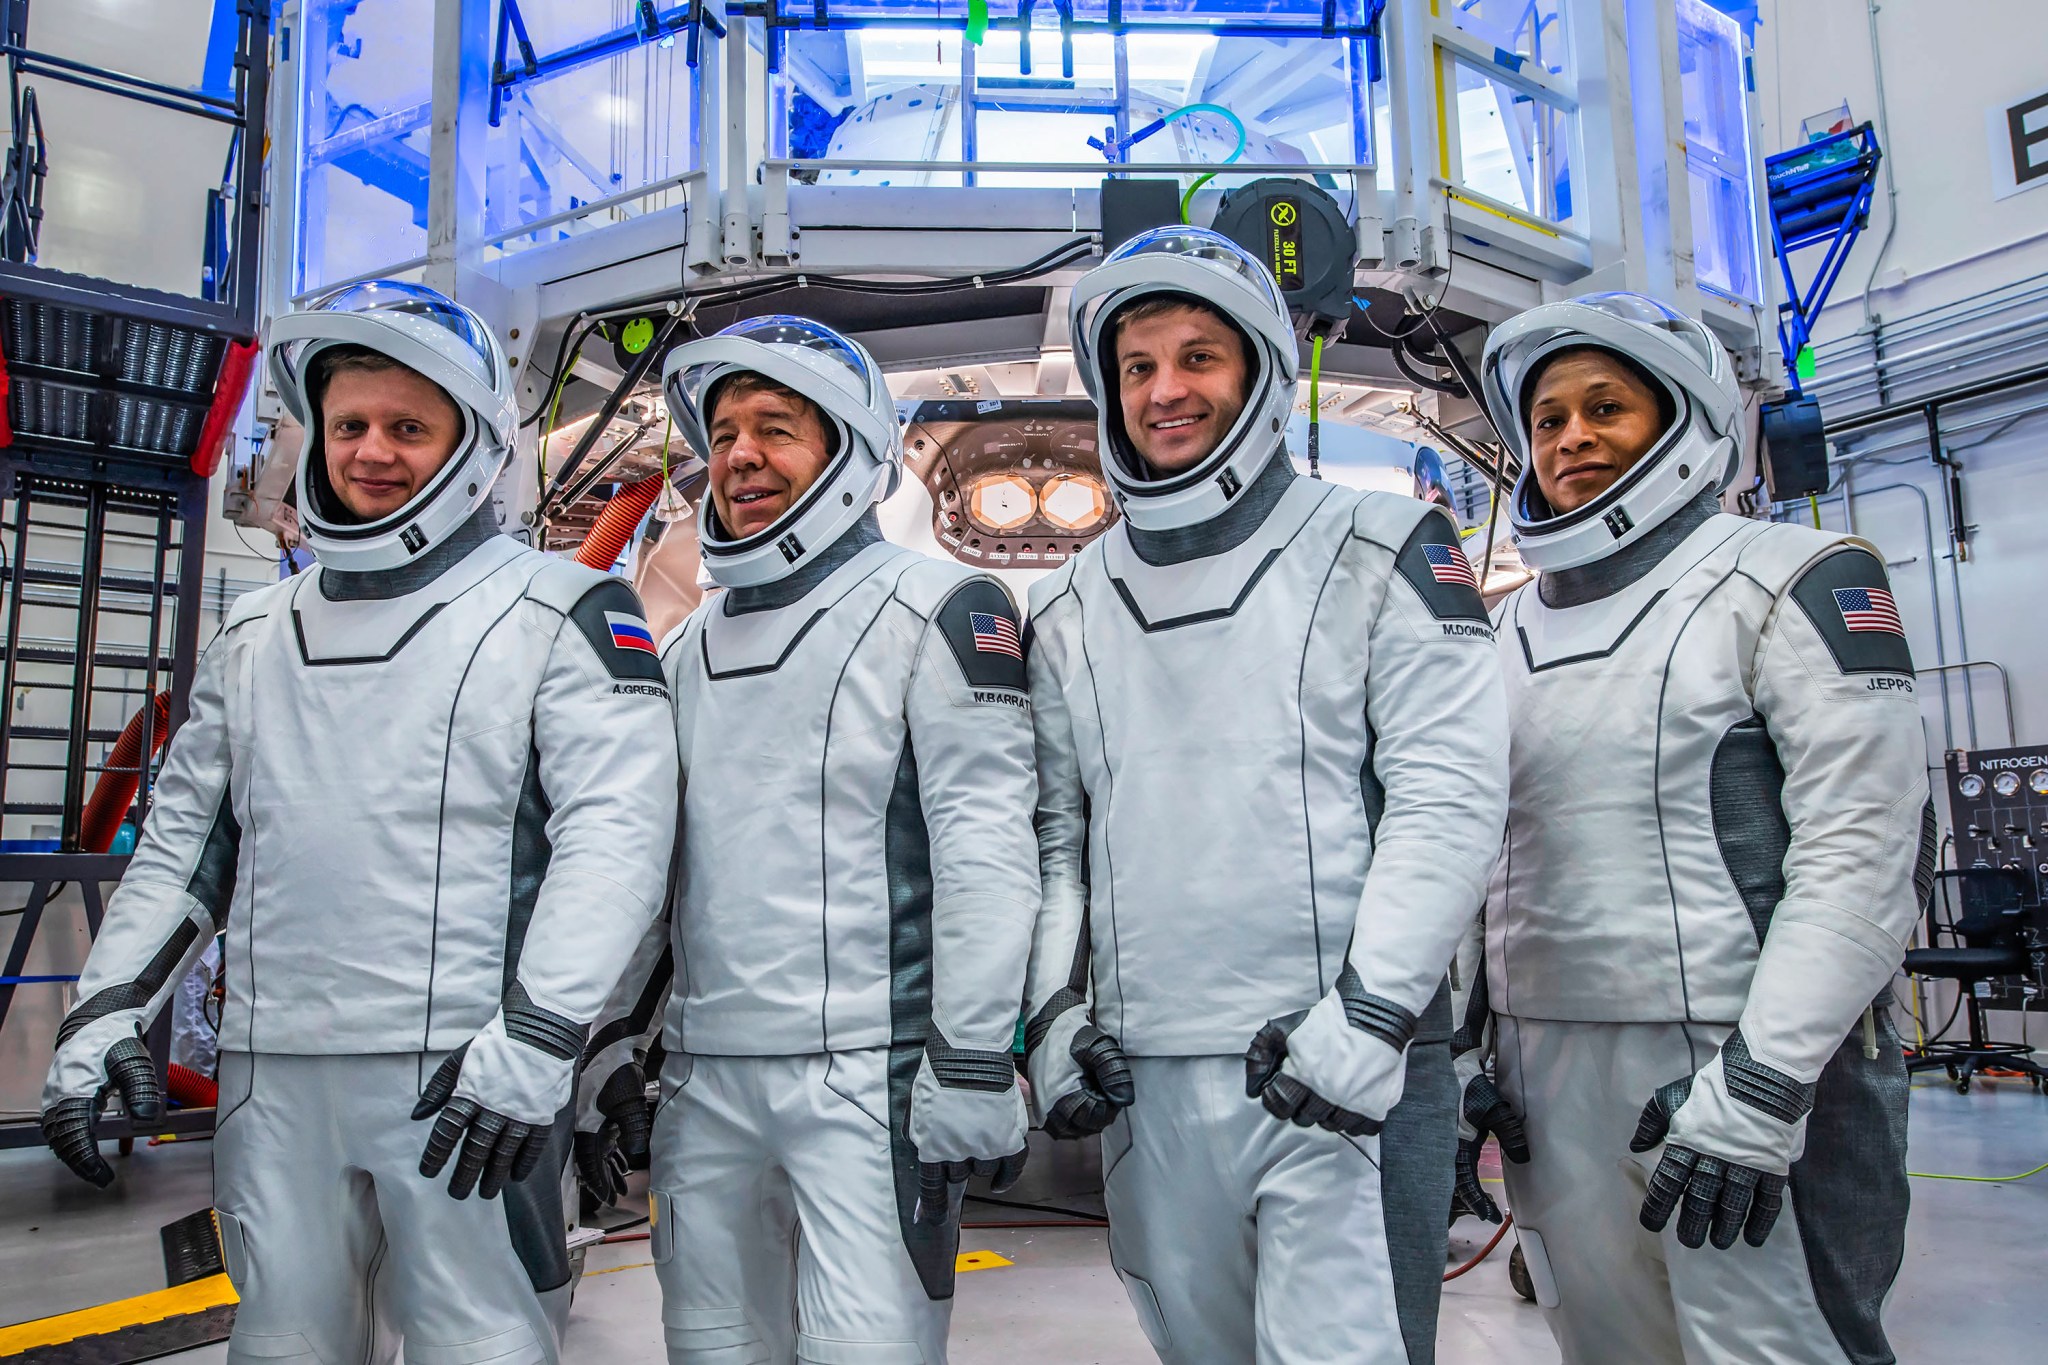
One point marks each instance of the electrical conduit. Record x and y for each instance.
(115, 790)
(616, 524)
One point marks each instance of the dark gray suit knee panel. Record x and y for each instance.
(1418, 1155)
(1849, 1192)
(534, 1215)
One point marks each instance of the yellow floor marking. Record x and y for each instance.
(615, 1269)
(980, 1260)
(196, 1297)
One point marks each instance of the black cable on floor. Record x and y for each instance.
(1034, 1208)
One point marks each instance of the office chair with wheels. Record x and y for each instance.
(1996, 936)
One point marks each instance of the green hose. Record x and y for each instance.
(1315, 407)
(1235, 122)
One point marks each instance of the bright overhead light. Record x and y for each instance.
(904, 56)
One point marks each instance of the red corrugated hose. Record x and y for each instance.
(616, 524)
(190, 1089)
(115, 790)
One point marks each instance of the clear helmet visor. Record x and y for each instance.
(822, 349)
(1512, 363)
(1649, 312)
(1202, 244)
(397, 299)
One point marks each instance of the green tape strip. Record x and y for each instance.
(977, 21)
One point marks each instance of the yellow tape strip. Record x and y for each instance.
(196, 1297)
(967, 1260)
(615, 1269)
(1443, 138)
(1980, 1179)
(1517, 219)
(980, 1260)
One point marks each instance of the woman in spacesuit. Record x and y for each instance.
(1718, 841)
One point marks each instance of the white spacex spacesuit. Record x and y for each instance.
(427, 790)
(858, 883)
(1272, 751)
(1718, 842)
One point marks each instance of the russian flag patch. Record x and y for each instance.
(629, 632)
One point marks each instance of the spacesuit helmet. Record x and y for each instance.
(1204, 268)
(1698, 452)
(437, 338)
(839, 377)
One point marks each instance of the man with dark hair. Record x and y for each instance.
(427, 790)
(1270, 752)
(858, 880)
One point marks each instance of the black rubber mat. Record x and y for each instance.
(144, 1341)
(191, 1249)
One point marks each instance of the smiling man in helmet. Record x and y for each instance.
(428, 791)
(1718, 841)
(1271, 752)
(858, 879)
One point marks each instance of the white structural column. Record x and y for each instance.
(461, 114)
(1415, 234)
(1610, 176)
(736, 231)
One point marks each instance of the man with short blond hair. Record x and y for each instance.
(427, 790)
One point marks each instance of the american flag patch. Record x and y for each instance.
(995, 634)
(1449, 565)
(1869, 609)
(629, 632)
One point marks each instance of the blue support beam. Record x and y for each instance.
(1819, 195)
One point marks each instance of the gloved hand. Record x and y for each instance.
(1483, 1112)
(966, 1119)
(1338, 1065)
(90, 1066)
(613, 1125)
(1731, 1134)
(1080, 1078)
(497, 1096)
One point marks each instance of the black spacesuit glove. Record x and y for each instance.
(1105, 1088)
(496, 1149)
(939, 1182)
(68, 1124)
(1721, 1199)
(1486, 1112)
(1284, 1096)
(604, 1156)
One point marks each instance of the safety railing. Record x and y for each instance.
(1465, 116)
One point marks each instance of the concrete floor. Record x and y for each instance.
(1970, 1289)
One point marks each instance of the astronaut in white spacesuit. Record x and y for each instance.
(428, 791)
(1271, 755)
(1718, 842)
(858, 880)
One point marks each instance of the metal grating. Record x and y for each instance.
(38, 407)
(160, 428)
(56, 338)
(93, 380)
(167, 357)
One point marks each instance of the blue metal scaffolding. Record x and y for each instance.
(1819, 196)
